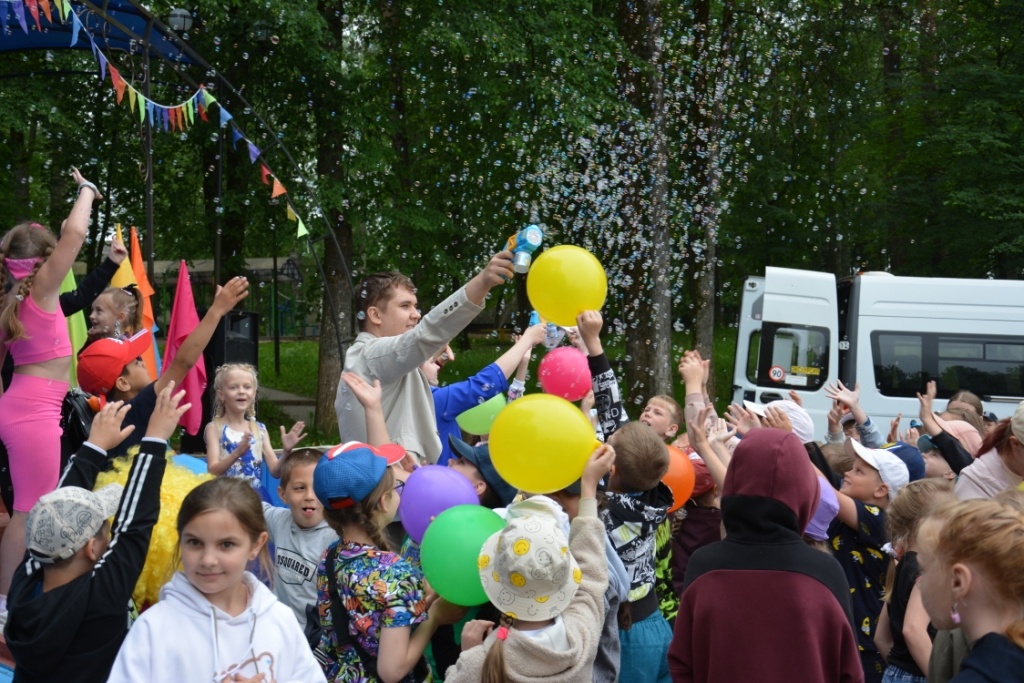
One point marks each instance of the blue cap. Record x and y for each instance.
(347, 474)
(480, 458)
(989, 416)
(911, 457)
(925, 443)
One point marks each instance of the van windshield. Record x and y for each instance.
(986, 365)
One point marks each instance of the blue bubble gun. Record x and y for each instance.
(522, 245)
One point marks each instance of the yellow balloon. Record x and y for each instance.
(540, 443)
(564, 281)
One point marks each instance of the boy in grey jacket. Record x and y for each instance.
(391, 346)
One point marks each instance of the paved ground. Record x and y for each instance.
(297, 407)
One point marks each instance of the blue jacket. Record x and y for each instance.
(453, 400)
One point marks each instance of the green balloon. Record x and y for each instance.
(477, 420)
(450, 551)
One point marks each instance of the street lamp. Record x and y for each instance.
(179, 19)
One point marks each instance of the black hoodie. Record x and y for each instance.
(73, 632)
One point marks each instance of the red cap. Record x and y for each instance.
(103, 361)
(391, 452)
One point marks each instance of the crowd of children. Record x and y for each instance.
(844, 555)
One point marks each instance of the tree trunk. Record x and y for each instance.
(648, 306)
(337, 322)
(706, 162)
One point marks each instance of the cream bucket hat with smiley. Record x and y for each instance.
(527, 571)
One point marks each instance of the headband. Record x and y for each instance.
(21, 268)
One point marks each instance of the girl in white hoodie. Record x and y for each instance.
(215, 621)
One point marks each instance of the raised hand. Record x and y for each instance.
(293, 436)
(368, 395)
(106, 431)
(741, 419)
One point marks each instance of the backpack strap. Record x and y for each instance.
(340, 617)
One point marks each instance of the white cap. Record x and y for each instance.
(891, 469)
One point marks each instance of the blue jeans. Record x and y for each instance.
(645, 651)
(894, 674)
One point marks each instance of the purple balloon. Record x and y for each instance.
(428, 492)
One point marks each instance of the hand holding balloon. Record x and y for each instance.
(599, 464)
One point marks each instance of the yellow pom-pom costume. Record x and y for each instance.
(177, 483)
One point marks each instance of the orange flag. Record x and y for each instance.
(278, 189)
(146, 291)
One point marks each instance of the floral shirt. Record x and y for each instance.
(250, 464)
(379, 590)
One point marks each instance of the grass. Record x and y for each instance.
(300, 359)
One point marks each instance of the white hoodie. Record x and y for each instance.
(185, 638)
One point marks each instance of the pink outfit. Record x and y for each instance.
(46, 335)
(30, 428)
(30, 408)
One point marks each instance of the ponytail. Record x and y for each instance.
(494, 663)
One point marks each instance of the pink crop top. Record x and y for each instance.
(47, 335)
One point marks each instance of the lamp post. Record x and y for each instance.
(179, 19)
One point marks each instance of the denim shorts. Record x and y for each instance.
(894, 674)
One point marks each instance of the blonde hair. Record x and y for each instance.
(988, 534)
(127, 300)
(907, 511)
(23, 241)
(218, 410)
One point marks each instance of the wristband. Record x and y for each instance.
(91, 186)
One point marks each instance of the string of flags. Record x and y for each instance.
(171, 118)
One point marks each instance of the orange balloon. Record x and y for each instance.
(679, 477)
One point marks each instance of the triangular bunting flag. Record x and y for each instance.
(301, 232)
(119, 83)
(102, 60)
(278, 189)
(291, 213)
(254, 152)
(67, 8)
(131, 97)
(236, 135)
(189, 111)
(264, 174)
(208, 98)
(224, 117)
(166, 113)
(33, 9)
(19, 11)
(143, 106)
(76, 25)
(46, 10)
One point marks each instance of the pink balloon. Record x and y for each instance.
(564, 372)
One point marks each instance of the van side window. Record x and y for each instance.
(792, 356)
(988, 366)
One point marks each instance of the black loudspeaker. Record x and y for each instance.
(236, 340)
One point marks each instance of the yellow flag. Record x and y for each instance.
(124, 275)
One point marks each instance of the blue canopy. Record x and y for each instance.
(116, 25)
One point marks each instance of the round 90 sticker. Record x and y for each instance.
(776, 373)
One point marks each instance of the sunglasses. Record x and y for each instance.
(399, 487)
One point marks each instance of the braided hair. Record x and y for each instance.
(23, 241)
